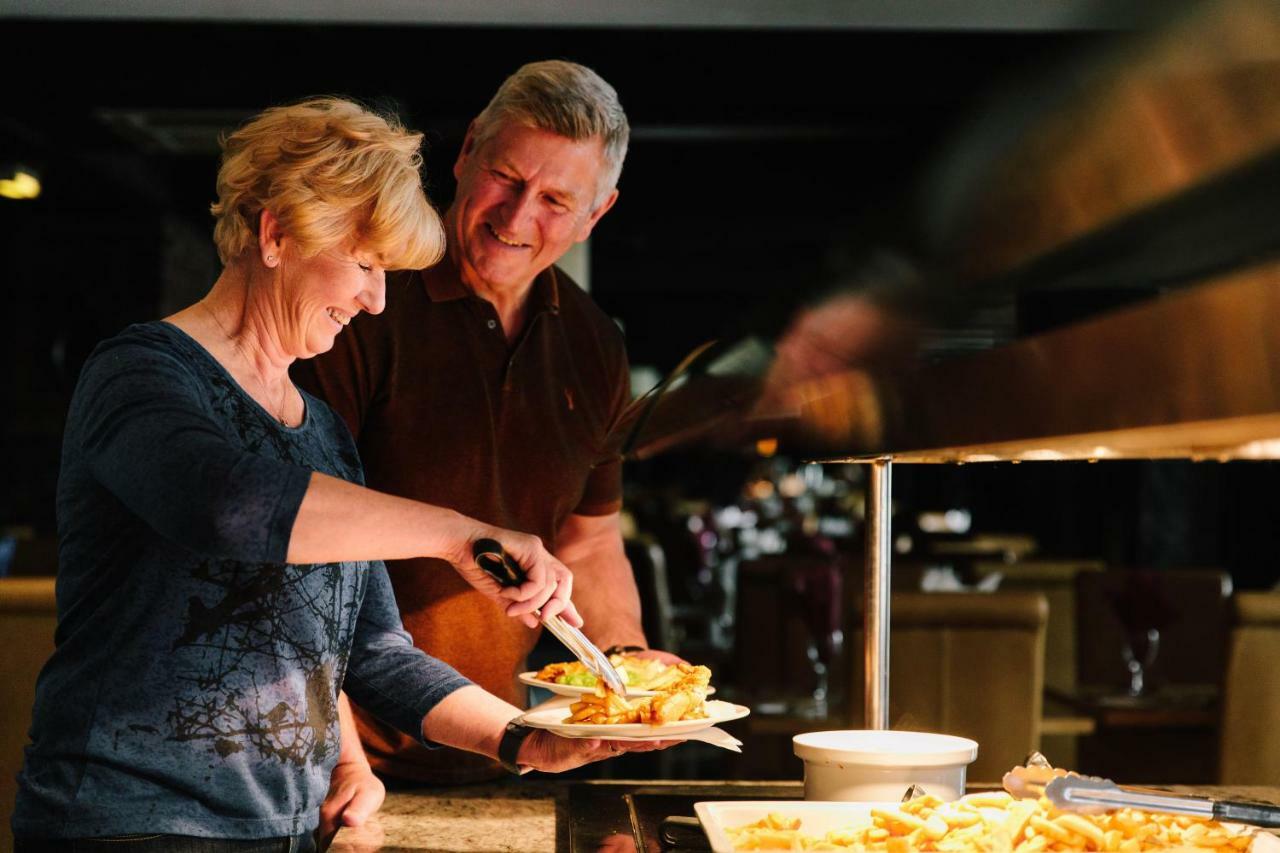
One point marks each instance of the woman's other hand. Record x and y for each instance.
(354, 795)
(471, 718)
(551, 753)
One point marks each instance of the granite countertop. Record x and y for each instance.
(515, 815)
(531, 816)
(527, 815)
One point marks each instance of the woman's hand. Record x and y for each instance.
(551, 753)
(471, 718)
(549, 584)
(340, 521)
(354, 795)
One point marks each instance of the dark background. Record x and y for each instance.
(759, 160)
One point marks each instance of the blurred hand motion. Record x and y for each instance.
(1146, 165)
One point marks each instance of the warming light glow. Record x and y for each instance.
(1261, 449)
(22, 186)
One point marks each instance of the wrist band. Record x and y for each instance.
(509, 746)
(619, 649)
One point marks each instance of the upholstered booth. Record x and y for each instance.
(1250, 753)
(969, 664)
(27, 620)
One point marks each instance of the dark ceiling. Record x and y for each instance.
(760, 159)
(757, 155)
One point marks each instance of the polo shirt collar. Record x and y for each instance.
(444, 284)
(545, 295)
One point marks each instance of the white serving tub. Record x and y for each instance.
(879, 766)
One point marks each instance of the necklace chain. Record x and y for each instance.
(284, 392)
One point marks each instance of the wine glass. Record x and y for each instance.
(1142, 606)
(816, 581)
(1139, 652)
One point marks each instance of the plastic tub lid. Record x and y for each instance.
(885, 748)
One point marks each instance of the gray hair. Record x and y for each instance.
(564, 98)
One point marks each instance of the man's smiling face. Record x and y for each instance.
(525, 196)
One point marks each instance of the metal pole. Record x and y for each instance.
(875, 608)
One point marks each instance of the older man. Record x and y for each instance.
(490, 383)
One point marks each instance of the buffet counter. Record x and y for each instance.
(512, 814)
(536, 815)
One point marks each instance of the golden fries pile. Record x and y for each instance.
(651, 674)
(997, 823)
(602, 708)
(684, 699)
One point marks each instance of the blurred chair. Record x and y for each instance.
(968, 664)
(28, 616)
(649, 566)
(1191, 607)
(1057, 580)
(788, 613)
(1250, 746)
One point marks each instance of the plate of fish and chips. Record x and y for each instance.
(643, 676)
(678, 708)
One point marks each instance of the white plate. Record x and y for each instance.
(531, 678)
(553, 718)
(816, 818)
(819, 818)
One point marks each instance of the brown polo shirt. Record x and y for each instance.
(445, 411)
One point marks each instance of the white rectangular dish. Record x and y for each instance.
(815, 818)
(819, 818)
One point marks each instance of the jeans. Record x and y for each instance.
(165, 844)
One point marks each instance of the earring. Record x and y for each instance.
(271, 259)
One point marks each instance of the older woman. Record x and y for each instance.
(219, 578)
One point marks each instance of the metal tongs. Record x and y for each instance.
(498, 564)
(1091, 795)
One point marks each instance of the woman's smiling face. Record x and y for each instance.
(323, 293)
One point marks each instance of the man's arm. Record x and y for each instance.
(604, 586)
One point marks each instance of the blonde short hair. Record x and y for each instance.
(332, 173)
(564, 98)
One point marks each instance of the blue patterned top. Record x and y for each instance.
(193, 690)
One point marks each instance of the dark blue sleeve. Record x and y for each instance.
(140, 418)
(386, 674)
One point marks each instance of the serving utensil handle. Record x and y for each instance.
(1254, 813)
(494, 560)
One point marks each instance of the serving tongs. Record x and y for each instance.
(499, 565)
(1091, 795)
